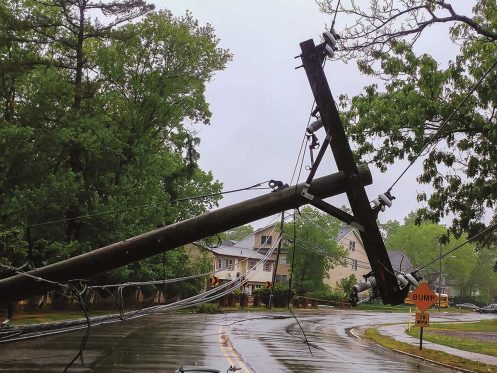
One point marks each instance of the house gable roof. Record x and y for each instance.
(346, 231)
(399, 260)
(236, 252)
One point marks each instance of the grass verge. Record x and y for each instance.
(39, 318)
(437, 356)
(477, 326)
(462, 342)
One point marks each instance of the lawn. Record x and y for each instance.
(438, 356)
(466, 342)
(403, 308)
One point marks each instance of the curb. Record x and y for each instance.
(420, 357)
(353, 333)
(431, 361)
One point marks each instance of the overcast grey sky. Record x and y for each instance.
(261, 104)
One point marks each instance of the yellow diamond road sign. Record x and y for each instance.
(423, 297)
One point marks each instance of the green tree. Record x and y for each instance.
(238, 233)
(388, 228)
(414, 107)
(316, 249)
(345, 286)
(120, 135)
(421, 243)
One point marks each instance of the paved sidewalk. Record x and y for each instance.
(397, 332)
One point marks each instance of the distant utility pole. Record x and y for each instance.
(278, 253)
(440, 278)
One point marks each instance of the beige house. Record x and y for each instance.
(234, 259)
(261, 241)
(356, 262)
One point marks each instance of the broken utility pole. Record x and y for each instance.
(363, 215)
(167, 238)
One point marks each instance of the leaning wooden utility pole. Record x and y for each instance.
(167, 238)
(363, 215)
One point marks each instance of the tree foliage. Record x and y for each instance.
(237, 233)
(412, 112)
(316, 249)
(98, 118)
(345, 285)
(467, 269)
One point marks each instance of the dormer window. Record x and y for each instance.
(266, 240)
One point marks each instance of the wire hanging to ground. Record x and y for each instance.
(79, 296)
(290, 282)
(293, 259)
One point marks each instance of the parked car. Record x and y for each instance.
(467, 306)
(491, 308)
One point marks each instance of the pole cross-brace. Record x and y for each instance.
(337, 213)
(388, 286)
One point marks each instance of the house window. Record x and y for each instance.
(267, 266)
(225, 263)
(266, 240)
(352, 245)
(252, 264)
(281, 278)
(282, 259)
(354, 264)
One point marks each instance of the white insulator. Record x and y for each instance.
(365, 285)
(372, 281)
(329, 51)
(385, 199)
(402, 280)
(411, 279)
(314, 126)
(330, 39)
(376, 202)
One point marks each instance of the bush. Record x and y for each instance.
(280, 294)
(478, 301)
(325, 294)
(208, 308)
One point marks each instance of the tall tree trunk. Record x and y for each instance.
(73, 228)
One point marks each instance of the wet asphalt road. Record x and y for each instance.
(254, 342)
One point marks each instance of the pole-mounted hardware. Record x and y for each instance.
(363, 215)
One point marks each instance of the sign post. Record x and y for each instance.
(422, 320)
(423, 297)
(421, 339)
